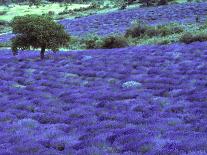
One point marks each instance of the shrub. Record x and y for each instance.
(153, 2)
(94, 5)
(64, 12)
(51, 13)
(168, 29)
(114, 42)
(186, 38)
(123, 6)
(189, 37)
(139, 29)
(92, 42)
(38, 32)
(136, 30)
(162, 2)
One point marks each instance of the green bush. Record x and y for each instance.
(64, 12)
(94, 5)
(136, 30)
(139, 29)
(114, 41)
(51, 13)
(147, 3)
(189, 37)
(92, 41)
(168, 29)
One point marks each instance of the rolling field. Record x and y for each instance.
(21, 10)
(119, 21)
(136, 100)
(139, 100)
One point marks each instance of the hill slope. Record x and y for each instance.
(88, 102)
(119, 21)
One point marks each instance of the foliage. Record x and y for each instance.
(140, 29)
(111, 41)
(38, 32)
(92, 41)
(121, 3)
(189, 37)
(153, 2)
(51, 13)
(114, 41)
(136, 30)
(168, 29)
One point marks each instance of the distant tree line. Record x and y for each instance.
(122, 3)
(3, 2)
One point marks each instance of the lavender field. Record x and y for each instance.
(137, 100)
(118, 22)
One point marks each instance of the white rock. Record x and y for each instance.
(87, 57)
(131, 84)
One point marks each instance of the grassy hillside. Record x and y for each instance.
(91, 31)
(20, 10)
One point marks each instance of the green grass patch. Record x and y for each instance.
(190, 37)
(21, 10)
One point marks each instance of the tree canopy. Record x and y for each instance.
(37, 32)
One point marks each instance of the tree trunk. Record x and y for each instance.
(42, 53)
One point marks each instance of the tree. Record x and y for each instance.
(37, 31)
